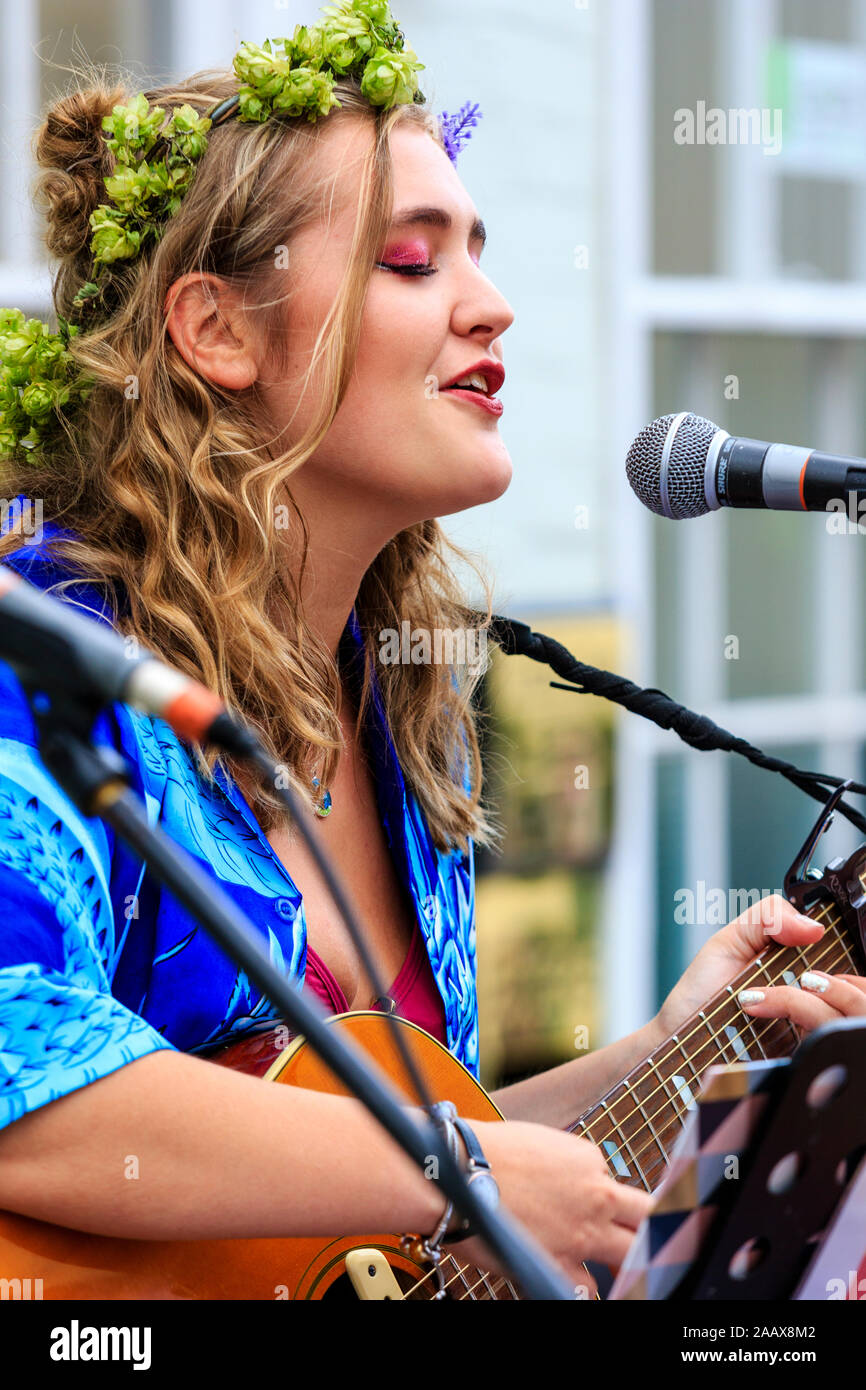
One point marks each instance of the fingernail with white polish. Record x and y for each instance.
(806, 920)
(750, 996)
(819, 984)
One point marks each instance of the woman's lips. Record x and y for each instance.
(492, 404)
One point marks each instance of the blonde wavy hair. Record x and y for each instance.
(172, 495)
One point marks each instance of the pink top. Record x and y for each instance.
(414, 992)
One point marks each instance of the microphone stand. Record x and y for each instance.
(97, 780)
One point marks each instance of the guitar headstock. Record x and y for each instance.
(842, 880)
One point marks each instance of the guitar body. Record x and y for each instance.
(75, 1265)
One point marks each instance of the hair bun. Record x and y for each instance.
(70, 146)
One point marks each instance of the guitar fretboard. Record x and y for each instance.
(638, 1121)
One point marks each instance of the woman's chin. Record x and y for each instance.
(482, 479)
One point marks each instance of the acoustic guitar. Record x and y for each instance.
(635, 1124)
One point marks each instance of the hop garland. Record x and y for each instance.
(155, 164)
(38, 382)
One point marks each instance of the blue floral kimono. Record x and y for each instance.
(100, 966)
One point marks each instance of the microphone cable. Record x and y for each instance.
(697, 730)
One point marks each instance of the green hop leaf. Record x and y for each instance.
(11, 318)
(89, 290)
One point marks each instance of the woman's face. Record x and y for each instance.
(400, 442)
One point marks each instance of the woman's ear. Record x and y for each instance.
(210, 330)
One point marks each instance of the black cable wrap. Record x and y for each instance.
(697, 730)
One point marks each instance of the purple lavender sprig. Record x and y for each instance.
(457, 130)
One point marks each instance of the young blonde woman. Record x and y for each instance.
(249, 486)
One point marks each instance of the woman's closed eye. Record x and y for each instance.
(408, 258)
(403, 269)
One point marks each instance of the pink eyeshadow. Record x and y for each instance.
(409, 253)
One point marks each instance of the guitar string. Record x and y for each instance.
(672, 1099)
(724, 1003)
(469, 1292)
(430, 1273)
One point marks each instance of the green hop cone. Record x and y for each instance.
(374, 11)
(389, 78)
(37, 400)
(251, 107)
(351, 33)
(111, 240)
(50, 357)
(306, 93)
(188, 132)
(261, 69)
(306, 47)
(8, 439)
(339, 51)
(132, 189)
(133, 129)
(18, 347)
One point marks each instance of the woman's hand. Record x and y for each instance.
(731, 949)
(821, 998)
(559, 1187)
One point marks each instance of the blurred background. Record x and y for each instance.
(647, 276)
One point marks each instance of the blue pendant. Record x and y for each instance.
(324, 806)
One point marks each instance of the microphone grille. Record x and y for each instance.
(684, 474)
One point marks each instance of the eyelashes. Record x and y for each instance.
(407, 269)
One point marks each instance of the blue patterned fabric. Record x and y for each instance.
(98, 966)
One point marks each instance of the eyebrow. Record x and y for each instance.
(437, 217)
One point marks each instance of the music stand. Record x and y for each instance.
(757, 1178)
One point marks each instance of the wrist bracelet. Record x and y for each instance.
(478, 1173)
(446, 1112)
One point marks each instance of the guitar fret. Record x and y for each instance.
(681, 1086)
(652, 1129)
(750, 1024)
(685, 1056)
(645, 1091)
(613, 1153)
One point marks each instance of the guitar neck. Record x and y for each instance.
(638, 1121)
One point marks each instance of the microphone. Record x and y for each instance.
(683, 465)
(49, 646)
